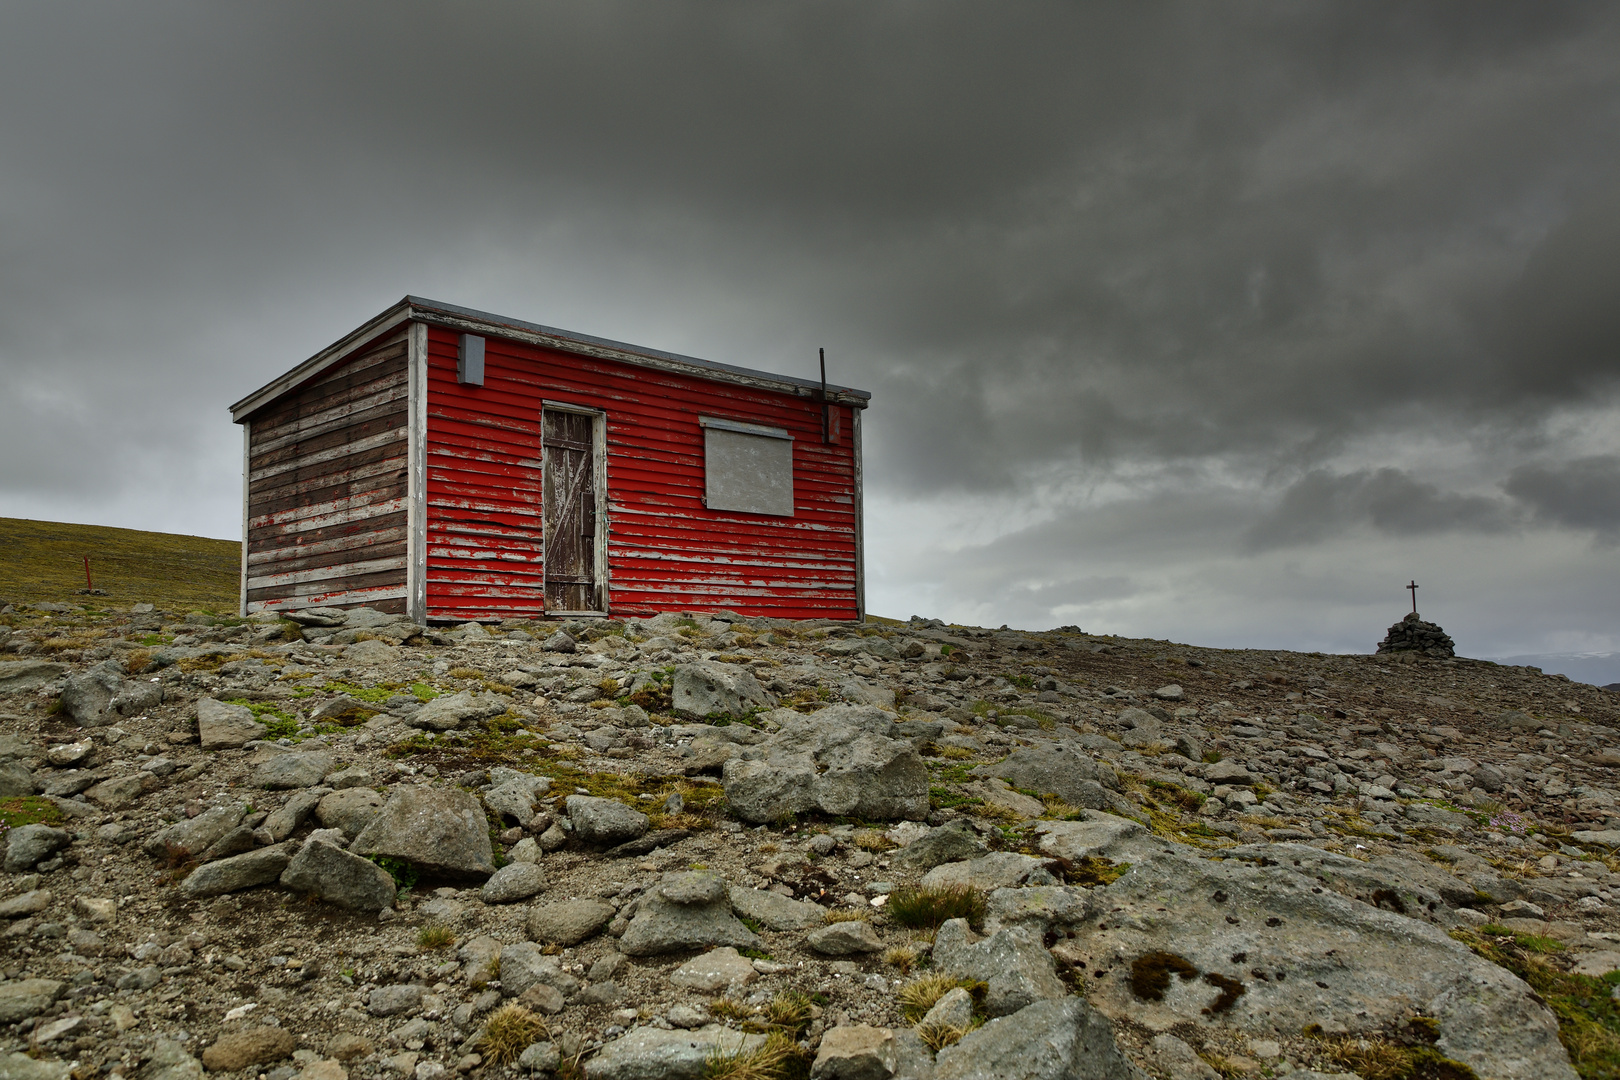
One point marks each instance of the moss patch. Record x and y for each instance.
(28, 810)
(1588, 1018)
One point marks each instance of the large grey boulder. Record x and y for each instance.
(226, 727)
(843, 760)
(690, 910)
(193, 836)
(350, 810)
(438, 830)
(332, 874)
(649, 1053)
(604, 822)
(29, 844)
(455, 710)
(246, 871)
(1055, 769)
(710, 688)
(1048, 1040)
(21, 676)
(1286, 925)
(1012, 961)
(87, 693)
(299, 769)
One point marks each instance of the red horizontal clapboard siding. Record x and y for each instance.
(666, 550)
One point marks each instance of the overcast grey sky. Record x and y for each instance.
(1211, 322)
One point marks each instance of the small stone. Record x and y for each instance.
(27, 845)
(955, 1009)
(845, 939)
(29, 903)
(226, 727)
(542, 998)
(568, 922)
(540, 1057)
(1172, 692)
(347, 1046)
(96, 909)
(686, 1016)
(717, 969)
(27, 998)
(855, 1052)
(300, 769)
(604, 822)
(256, 1046)
(395, 999)
(514, 881)
(1522, 909)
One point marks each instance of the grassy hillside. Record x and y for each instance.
(44, 560)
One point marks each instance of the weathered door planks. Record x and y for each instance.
(568, 494)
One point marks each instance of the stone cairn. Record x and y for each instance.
(1412, 634)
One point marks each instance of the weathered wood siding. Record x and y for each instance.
(326, 515)
(666, 551)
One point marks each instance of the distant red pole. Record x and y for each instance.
(88, 584)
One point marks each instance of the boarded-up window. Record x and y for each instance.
(747, 467)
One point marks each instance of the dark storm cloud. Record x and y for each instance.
(1079, 252)
(1580, 494)
(1320, 504)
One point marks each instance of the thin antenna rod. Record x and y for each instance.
(826, 430)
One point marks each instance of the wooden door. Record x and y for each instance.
(569, 503)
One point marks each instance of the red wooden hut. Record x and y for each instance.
(451, 465)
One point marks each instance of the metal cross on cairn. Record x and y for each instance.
(1414, 588)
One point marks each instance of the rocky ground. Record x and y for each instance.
(717, 846)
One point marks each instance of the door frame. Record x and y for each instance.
(599, 546)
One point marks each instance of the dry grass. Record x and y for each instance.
(847, 915)
(900, 956)
(724, 1008)
(466, 673)
(435, 936)
(45, 561)
(872, 840)
(938, 1036)
(509, 1031)
(778, 1059)
(917, 997)
(931, 908)
(953, 753)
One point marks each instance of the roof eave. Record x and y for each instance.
(449, 316)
